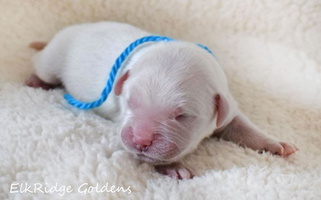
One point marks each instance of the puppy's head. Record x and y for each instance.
(171, 100)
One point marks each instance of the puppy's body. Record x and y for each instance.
(80, 57)
(169, 95)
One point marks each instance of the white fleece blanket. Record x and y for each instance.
(271, 52)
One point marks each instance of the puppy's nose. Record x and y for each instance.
(142, 143)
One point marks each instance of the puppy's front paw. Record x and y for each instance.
(288, 149)
(280, 148)
(175, 170)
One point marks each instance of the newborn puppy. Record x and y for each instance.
(169, 96)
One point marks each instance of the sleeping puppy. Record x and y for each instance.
(168, 96)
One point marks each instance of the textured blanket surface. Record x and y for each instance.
(270, 51)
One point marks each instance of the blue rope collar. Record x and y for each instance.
(112, 75)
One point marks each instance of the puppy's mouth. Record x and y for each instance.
(155, 155)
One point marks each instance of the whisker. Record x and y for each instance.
(174, 137)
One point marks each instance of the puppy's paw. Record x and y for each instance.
(280, 148)
(37, 45)
(35, 82)
(175, 170)
(288, 149)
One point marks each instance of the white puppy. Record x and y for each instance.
(168, 95)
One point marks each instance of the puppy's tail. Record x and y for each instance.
(38, 45)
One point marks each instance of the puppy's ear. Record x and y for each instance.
(222, 110)
(119, 85)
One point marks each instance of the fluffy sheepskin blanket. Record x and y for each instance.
(270, 51)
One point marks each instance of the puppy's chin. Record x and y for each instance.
(153, 161)
(149, 160)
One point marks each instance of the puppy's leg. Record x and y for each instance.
(34, 81)
(175, 170)
(244, 133)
